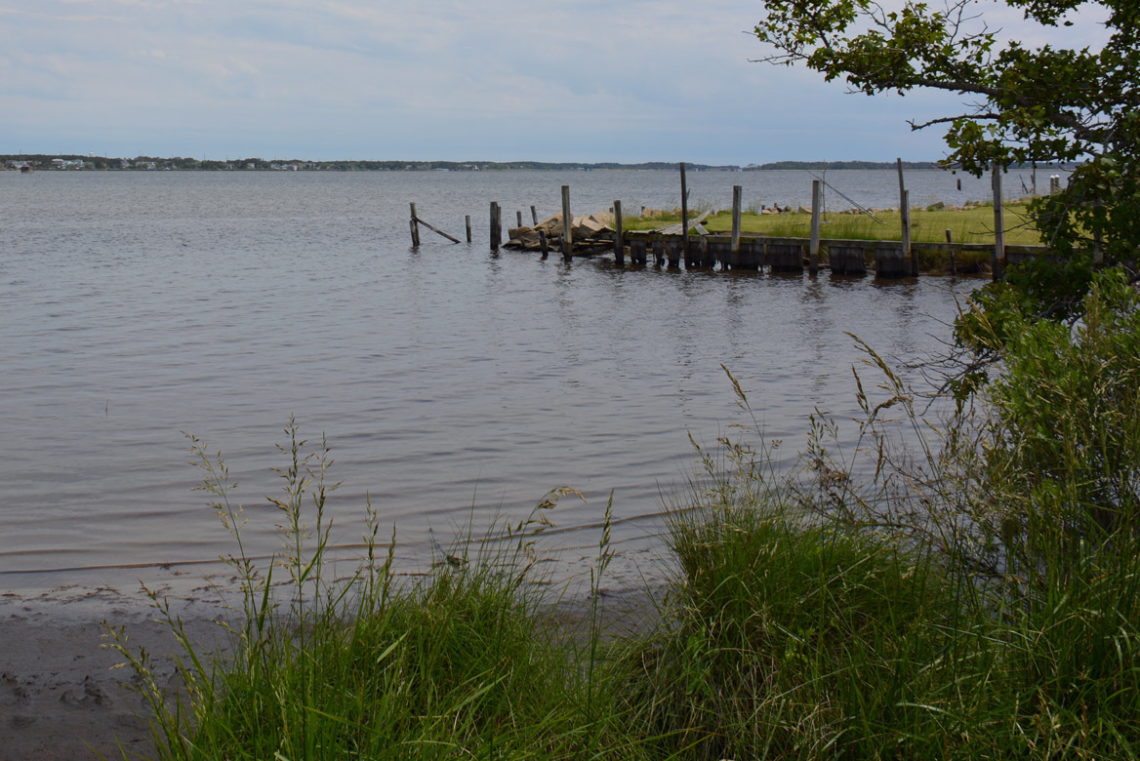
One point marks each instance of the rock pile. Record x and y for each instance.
(585, 229)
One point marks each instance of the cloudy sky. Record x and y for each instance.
(498, 80)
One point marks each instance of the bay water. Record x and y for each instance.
(455, 387)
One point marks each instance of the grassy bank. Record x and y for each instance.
(972, 224)
(972, 595)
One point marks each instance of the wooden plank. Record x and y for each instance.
(436, 230)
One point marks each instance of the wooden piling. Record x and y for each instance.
(737, 192)
(816, 204)
(904, 214)
(415, 228)
(567, 225)
(684, 212)
(998, 257)
(467, 223)
(619, 242)
(543, 244)
(533, 216)
(637, 251)
(496, 226)
(518, 218)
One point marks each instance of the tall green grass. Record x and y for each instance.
(974, 594)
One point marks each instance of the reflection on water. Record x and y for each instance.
(449, 382)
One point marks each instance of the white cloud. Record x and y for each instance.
(632, 79)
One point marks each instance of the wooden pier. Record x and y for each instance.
(675, 248)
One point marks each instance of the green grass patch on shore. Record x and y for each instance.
(972, 224)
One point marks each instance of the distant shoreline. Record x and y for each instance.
(75, 162)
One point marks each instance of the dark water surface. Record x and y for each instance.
(137, 306)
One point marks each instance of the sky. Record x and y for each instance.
(499, 80)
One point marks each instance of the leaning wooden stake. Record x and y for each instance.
(467, 223)
(998, 256)
(533, 216)
(436, 230)
(619, 238)
(567, 225)
(816, 204)
(736, 203)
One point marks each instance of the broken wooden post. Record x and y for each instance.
(567, 225)
(533, 216)
(542, 243)
(816, 203)
(415, 228)
(736, 196)
(518, 218)
(496, 226)
(998, 256)
(467, 222)
(619, 243)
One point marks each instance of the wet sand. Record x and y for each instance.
(63, 694)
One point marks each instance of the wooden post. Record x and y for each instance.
(496, 226)
(953, 262)
(534, 216)
(904, 213)
(619, 241)
(415, 228)
(816, 203)
(543, 244)
(999, 227)
(518, 218)
(684, 213)
(909, 252)
(567, 225)
(736, 197)
(467, 222)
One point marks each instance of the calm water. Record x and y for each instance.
(137, 306)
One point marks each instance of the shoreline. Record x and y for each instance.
(65, 695)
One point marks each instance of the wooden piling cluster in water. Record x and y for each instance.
(737, 251)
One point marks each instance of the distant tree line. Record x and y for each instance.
(145, 163)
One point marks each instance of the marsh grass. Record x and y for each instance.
(972, 594)
(974, 224)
